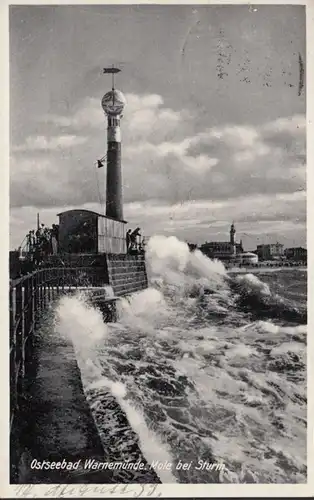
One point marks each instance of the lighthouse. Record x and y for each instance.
(113, 103)
(232, 239)
(232, 234)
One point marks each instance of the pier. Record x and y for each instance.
(49, 416)
(87, 251)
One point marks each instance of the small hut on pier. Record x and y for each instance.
(87, 232)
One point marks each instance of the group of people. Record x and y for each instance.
(43, 242)
(134, 242)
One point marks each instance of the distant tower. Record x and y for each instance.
(232, 234)
(113, 104)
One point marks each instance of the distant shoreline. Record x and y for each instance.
(264, 269)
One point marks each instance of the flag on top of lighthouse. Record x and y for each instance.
(112, 70)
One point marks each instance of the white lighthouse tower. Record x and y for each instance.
(113, 103)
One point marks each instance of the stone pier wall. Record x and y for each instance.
(127, 273)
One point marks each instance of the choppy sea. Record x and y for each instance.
(204, 365)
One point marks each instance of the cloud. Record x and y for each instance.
(144, 116)
(43, 143)
(168, 160)
(86, 115)
(234, 162)
(259, 218)
(44, 181)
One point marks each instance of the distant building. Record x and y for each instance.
(218, 250)
(296, 253)
(223, 250)
(247, 258)
(271, 251)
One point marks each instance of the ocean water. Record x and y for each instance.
(202, 366)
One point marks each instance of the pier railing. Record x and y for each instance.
(29, 296)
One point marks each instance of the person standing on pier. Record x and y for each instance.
(30, 241)
(54, 239)
(128, 240)
(134, 238)
(143, 245)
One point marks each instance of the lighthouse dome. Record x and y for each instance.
(113, 102)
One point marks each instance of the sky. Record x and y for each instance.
(214, 130)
